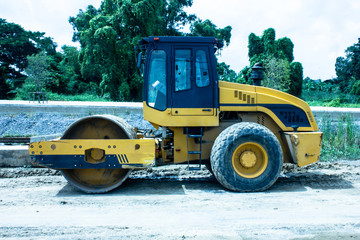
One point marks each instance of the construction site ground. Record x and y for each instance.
(320, 201)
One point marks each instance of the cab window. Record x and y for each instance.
(202, 72)
(182, 69)
(156, 93)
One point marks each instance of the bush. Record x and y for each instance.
(341, 140)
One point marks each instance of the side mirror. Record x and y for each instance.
(139, 60)
(139, 63)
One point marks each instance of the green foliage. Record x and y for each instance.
(109, 34)
(285, 49)
(71, 81)
(296, 78)
(208, 29)
(277, 74)
(225, 73)
(27, 87)
(336, 102)
(268, 40)
(16, 45)
(87, 97)
(341, 140)
(328, 94)
(256, 46)
(277, 58)
(105, 64)
(38, 70)
(348, 68)
(326, 99)
(355, 89)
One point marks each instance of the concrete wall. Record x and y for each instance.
(70, 108)
(14, 156)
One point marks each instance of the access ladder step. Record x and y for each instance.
(194, 152)
(194, 168)
(194, 136)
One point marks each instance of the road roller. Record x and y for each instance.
(242, 133)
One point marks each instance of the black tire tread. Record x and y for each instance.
(226, 139)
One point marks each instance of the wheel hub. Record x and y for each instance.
(248, 159)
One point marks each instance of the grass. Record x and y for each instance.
(326, 99)
(341, 140)
(85, 97)
(81, 97)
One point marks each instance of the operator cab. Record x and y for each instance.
(180, 79)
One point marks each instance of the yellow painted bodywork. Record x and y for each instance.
(246, 98)
(186, 117)
(138, 151)
(180, 142)
(234, 93)
(211, 133)
(193, 111)
(304, 146)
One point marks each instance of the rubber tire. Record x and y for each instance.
(228, 141)
(208, 167)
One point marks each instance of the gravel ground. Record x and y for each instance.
(48, 123)
(320, 201)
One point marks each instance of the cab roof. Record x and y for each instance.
(206, 40)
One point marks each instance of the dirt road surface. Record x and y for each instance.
(321, 201)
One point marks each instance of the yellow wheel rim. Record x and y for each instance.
(250, 160)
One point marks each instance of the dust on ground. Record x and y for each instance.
(320, 201)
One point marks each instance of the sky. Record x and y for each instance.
(321, 30)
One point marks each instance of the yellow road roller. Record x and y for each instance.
(242, 133)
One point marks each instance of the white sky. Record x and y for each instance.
(321, 30)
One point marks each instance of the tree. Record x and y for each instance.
(296, 79)
(38, 70)
(285, 49)
(71, 81)
(256, 47)
(208, 29)
(225, 73)
(277, 58)
(268, 40)
(348, 68)
(16, 45)
(38, 75)
(109, 34)
(277, 74)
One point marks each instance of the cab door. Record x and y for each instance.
(192, 82)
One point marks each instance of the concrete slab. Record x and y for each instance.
(71, 108)
(14, 156)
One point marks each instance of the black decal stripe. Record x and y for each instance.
(290, 115)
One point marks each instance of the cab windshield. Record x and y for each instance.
(156, 89)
